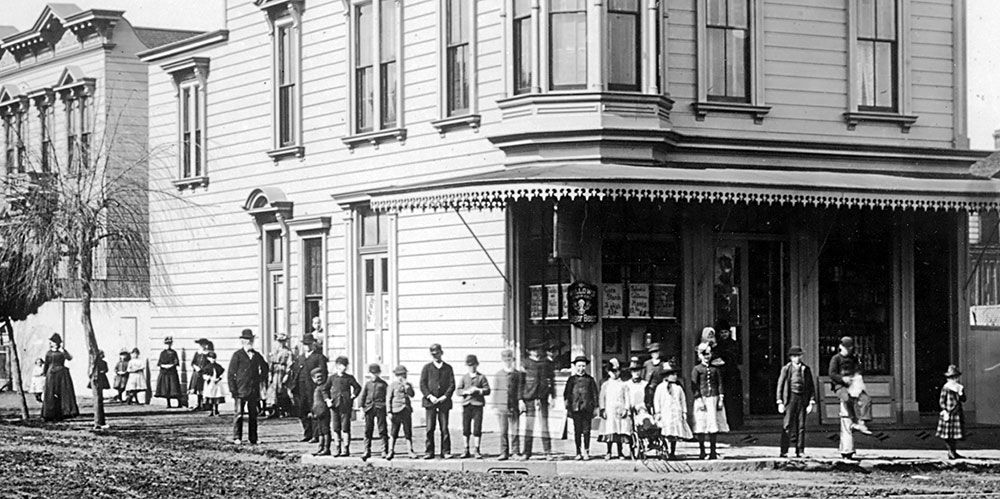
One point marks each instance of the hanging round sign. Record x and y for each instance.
(582, 298)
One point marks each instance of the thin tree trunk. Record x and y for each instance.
(17, 371)
(86, 275)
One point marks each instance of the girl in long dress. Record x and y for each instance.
(198, 362)
(709, 411)
(951, 420)
(136, 377)
(168, 383)
(616, 427)
(38, 379)
(276, 397)
(59, 398)
(670, 406)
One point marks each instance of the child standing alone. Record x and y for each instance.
(473, 389)
(581, 398)
(38, 379)
(121, 375)
(670, 406)
(951, 421)
(342, 389)
(401, 411)
(709, 411)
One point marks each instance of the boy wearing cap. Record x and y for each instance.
(473, 389)
(401, 411)
(580, 396)
(437, 384)
(373, 402)
(796, 396)
(320, 411)
(508, 382)
(343, 389)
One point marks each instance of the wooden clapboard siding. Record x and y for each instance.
(805, 75)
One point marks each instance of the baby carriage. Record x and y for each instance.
(647, 441)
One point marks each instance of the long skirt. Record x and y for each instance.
(168, 385)
(136, 382)
(213, 392)
(197, 383)
(121, 382)
(952, 428)
(675, 425)
(709, 419)
(59, 400)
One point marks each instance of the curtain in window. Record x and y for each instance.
(568, 43)
(876, 55)
(387, 37)
(457, 56)
(728, 50)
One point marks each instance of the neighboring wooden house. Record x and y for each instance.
(70, 84)
(440, 170)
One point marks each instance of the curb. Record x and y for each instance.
(652, 466)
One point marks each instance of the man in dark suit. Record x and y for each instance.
(539, 386)
(796, 395)
(246, 370)
(302, 385)
(437, 383)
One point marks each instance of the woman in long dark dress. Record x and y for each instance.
(168, 383)
(59, 399)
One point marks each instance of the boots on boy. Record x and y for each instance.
(324, 446)
(392, 449)
(347, 444)
(475, 444)
(409, 446)
(385, 448)
(340, 445)
(465, 443)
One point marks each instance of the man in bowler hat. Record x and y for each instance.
(246, 370)
(437, 384)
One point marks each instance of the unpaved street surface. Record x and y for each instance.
(181, 455)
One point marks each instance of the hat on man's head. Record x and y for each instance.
(654, 347)
(634, 364)
(246, 334)
(436, 348)
(168, 340)
(308, 339)
(55, 338)
(507, 354)
(471, 360)
(399, 370)
(341, 360)
(952, 372)
(581, 358)
(795, 350)
(847, 342)
(374, 368)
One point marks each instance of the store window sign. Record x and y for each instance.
(613, 302)
(537, 302)
(552, 302)
(664, 306)
(638, 300)
(582, 298)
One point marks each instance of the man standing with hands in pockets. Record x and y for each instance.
(437, 383)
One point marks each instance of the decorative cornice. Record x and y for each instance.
(183, 46)
(701, 109)
(853, 118)
(309, 224)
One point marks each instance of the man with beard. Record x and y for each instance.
(302, 383)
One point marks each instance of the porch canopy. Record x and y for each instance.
(781, 187)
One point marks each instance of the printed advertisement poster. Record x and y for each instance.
(537, 302)
(613, 302)
(638, 300)
(663, 301)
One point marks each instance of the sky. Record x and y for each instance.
(983, 45)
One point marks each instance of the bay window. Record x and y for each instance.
(624, 45)
(522, 45)
(568, 44)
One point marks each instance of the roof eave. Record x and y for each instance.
(183, 46)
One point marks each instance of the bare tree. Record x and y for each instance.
(83, 214)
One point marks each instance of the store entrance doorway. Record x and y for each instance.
(751, 302)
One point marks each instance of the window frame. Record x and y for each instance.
(380, 130)
(9, 141)
(471, 62)
(357, 256)
(754, 104)
(307, 297)
(191, 75)
(285, 14)
(902, 115)
(640, 33)
(46, 124)
(551, 15)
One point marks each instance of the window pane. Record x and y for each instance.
(886, 19)
(522, 7)
(866, 74)
(522, 55)
(275, 248)
(369, 230)
(364, 102)
(185, 108)
(736, 69)
(387, 30)
(387, 94)
(458, 82)
(363, 35)
(314, 266)
(369, 276)
(624, 5)
(623, 50)
(567, 5)
(883, 75)
(196, 108)
(458, 21)
(286, 114)
(385, 274)
(717, 12)
(738, 13)
(716, 61)
(866, 18)
(383, 228)
(569, 49)
(197, 153)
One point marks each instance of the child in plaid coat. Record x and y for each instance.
(951, 421)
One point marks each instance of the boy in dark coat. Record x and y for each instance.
(320, 412)
(343, 389)
(437, 384)
(507, 383)
(580, 396)
(373, 402)
(796, 396)
(473, 389)
(400, 407)
(539, 387)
